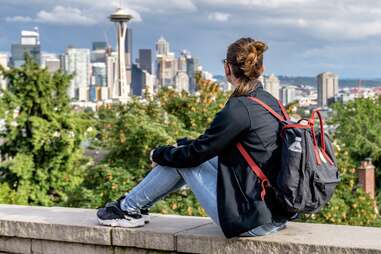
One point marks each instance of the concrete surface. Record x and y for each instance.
(25, 229)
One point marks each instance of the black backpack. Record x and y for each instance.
(308, 175)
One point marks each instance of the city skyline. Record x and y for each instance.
(206, 29)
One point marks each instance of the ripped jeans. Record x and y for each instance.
(202, 180)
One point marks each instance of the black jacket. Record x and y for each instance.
(240, 207)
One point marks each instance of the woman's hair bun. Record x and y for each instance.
(246, 55)
(249, 61)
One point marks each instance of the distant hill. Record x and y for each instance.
(311, 81)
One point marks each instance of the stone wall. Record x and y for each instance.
(68, 230)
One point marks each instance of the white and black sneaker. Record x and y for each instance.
(145, 214)
(113, 215)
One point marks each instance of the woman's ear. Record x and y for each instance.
(228, 71)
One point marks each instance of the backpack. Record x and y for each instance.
(308, 175)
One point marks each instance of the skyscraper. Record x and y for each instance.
(182, 61)
(145, 60)
(287, 94)
(149, 81)
(328, 87)
(98, 77)
(162, 46)
(111, 70)
(192, 66)
(77, 63)
(182, 81)
(29, 44)
(137, 80)
(51, 61)
(99, 45)
(121, 88)
(182, 78)
(272, 85)
(166, 66)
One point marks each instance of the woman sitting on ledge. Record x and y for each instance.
(212, 166)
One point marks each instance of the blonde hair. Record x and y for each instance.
(246, 58)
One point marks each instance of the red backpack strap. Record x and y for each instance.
(268, 108)
(257, 171)
(284, 111)
(322, 137)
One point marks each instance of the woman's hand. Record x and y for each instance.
(154, 164)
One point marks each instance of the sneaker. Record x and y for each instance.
(113, 215)
(266, 229)
(145, 214)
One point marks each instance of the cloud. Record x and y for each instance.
(326, 20)
(219, 16)
(61, 15)
(64, 15)
(18, 19)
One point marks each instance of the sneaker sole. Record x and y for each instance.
(122, 223)
(146, 218)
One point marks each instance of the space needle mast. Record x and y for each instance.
(121, 89)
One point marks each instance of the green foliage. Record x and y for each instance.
(42, 159)
(195, 111)
(358, 131)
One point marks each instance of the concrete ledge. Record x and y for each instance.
(26, 229)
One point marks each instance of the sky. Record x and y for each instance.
(305, 37)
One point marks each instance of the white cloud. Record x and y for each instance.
(18, 19)
(64, 15)
(219, 16)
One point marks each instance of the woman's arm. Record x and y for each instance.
(228, 123)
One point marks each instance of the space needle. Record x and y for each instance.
(121, 89)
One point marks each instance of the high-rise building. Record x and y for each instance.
(328, 87)
(77, 63)
(98, 77)
(98, 56)
(182, 81)
(182, 61)
(287, 94)
(99, 45)
(30, 37)
(272, 85)
(166, 66)
(182, 78)
(166, 70)
(137, 80)
(121, 88)
(162, 46)
(149, 81)
(52, 62)
(4, 61)
(192, 67)
(29, 44)
(145, 60)
(111, 70)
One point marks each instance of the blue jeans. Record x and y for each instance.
(202, 180)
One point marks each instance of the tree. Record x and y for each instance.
(41, 137)
(358, 131)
